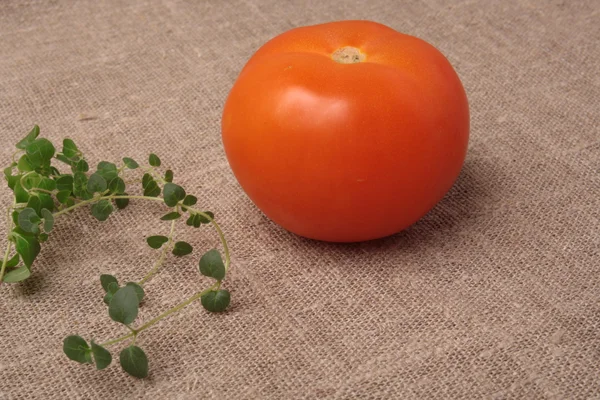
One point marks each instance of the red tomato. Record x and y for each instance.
(346, 131)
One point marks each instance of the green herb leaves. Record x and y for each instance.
(171, 216)
(96, 183)
(26, 245)
(27, 140)
(150, 186)
(182, 249)
(77, 349)
(211, 265)
(42, 193)
(130, 163)
(173, 194)
(102, 210)
(134, 361)
(102, 356)
(216, 301)
(124, 305)
(40, 152)
(106, 280)
(154, 160)
(29, 220)
(156, 242)
(70, 150)
(17, 274)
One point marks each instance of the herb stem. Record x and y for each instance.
(157, 319)
(41, 191)
(175, 309)
(163, 254)
(117, 340)
(22, 180)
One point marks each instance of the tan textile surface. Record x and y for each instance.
(494, 294)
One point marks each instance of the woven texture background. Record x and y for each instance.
(494, 294)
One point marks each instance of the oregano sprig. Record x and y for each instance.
(42, 193)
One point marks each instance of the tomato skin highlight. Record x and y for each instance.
(346, 152)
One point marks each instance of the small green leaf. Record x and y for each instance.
(80, 181)
(134, 361)
(122, 203)
(75, 347)
(205, 220)
(48, 220)
(21, 195)
(63, 196)
(11, 263)
(46, 201)
(108, 170)
(69, 148)
(196, 220)
(64, 182)
(112, 288)
(156, 242)
(130, 163)
(170, 216)
(102, 210)
(35, 203)
(17, 275)
(106, 279)
(29, 220)
(31, 136)
(190, 200)
(190, 220)
(40, 152)
(10, 178)
(124, 305)
(117, 185)
(24, 164)
(81, 166)
(31, 180)
(46, 184)
(152, 189)
(216, 301)
(26, 245)
(154, 160)
(146, 179)
(172, 194)
(211, 265)
(139, 291)
(102, 356)
(96, 183)
(182, 249)
(42, 237)
(169, 176)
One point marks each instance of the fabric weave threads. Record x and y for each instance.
(494, 294)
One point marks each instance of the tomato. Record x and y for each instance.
(346, 131)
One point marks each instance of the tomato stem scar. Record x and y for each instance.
(348, 55)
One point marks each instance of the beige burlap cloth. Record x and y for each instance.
(494, 294)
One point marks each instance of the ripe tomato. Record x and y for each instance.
(346, 131)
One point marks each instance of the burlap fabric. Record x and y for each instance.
(494, 294)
